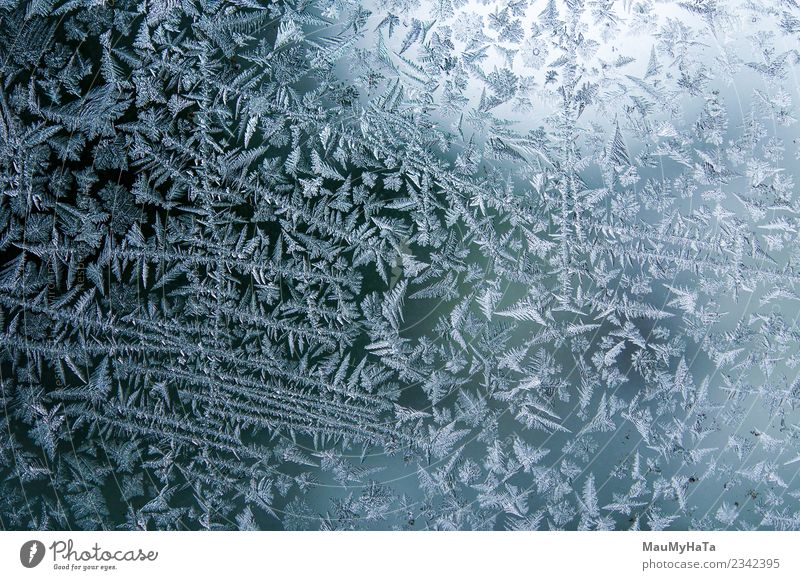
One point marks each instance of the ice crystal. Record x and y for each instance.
(451, 264)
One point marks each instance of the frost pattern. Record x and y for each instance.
(403, 264)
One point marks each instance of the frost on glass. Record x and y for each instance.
(403, 264)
